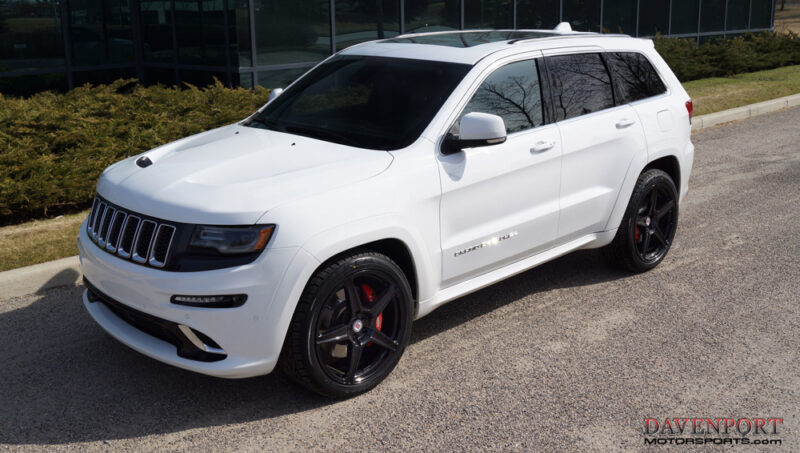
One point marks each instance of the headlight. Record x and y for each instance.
(232, 240)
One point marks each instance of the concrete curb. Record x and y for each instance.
(66, 271)
(740, 113)
(32, 279)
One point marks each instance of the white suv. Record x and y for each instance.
(393, 177)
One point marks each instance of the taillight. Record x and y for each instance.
(690, 109)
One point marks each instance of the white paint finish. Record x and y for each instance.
(481, 126)
(494, 191)
(541, 194)
(597, 155)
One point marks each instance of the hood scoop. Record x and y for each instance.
(144, 162)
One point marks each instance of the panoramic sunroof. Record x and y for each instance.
(470, 39)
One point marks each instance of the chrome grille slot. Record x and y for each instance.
(114, 231)
(161, 243)
(129, 230)
(92, 213)
(130, 236)
(144, 238)
(98, 216)
(102, 233)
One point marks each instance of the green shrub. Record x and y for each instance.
(725, 57)
(54, 146)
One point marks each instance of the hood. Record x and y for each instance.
(234, 174)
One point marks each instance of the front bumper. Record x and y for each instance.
(246, 340)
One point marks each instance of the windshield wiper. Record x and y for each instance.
(266, 123)
(322, 134)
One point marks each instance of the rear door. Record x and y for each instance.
(599, 141)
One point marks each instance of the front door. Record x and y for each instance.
(500, 203)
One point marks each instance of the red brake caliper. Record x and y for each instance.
(370, 293)
(636, 233)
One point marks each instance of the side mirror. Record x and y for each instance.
(475, 129)
(274, 93)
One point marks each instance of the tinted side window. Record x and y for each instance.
(634, 77)
(512, 92)
(580, 85)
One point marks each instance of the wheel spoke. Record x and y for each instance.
(664, 210)
(646, 242)
(383, 340)
(353, 297)
(353, 359)
(377, 308)
(660, 236)
(334, 335)
(653, 200)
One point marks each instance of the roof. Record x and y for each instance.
(470, 46)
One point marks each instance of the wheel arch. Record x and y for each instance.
(396, 250)
(668, 164)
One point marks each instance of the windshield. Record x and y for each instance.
(363, 101)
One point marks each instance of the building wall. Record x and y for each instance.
(60, 44)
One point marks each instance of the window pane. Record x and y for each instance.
(31, 84)
(488, 13)
(580, 85)
(634, 77)
(619, 16)
(100, 31)
(583, 15)
(103, 77)
(762, 14)
(537, 14)
(294, 31)
(513, 93)
(199, 29)
(654, 17)
(240, 36)
(738, 10)
(156, 19)
(366, 102)
(364, 20)
(154, 76)
(684, 16)
(280, 78)
(712, 16)
(432, 15)
(30, 35)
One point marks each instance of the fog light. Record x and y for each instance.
(227, 301)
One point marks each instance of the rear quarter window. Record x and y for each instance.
(634, 77)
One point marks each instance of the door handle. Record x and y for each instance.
(540, 147)
(625, 122)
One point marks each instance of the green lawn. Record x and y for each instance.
(44, 240)
(39, 241)
(715, 94)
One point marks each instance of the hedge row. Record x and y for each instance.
(726, 57)
(54, 146)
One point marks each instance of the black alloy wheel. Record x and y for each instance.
(648, 227)
(351, 326)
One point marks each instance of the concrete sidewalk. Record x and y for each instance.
(66, 271)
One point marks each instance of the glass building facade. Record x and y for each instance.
(60, 44)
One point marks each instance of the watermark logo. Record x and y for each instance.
(713, 431)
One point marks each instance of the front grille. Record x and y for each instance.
(129, 235)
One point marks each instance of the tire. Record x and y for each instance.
(350, 327)
(648, 227)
